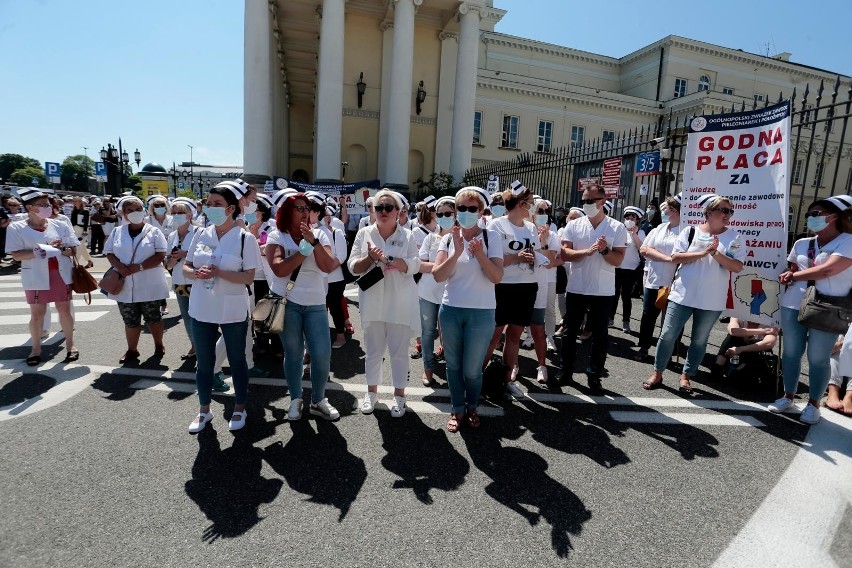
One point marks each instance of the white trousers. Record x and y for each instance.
(550, 310)
(377, 336)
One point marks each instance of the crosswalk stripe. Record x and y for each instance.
(23, 340)
(76, 303)
(20, 319)
(693, 419)
(6, 278)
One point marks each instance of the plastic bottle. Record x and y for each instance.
(215, 259)
(734, 247)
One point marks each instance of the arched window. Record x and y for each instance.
(704, 83)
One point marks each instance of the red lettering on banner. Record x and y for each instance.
(746, 141)
(777, 159)
(760, 159)
(720, 163)
(726, 142)
(706, 144)
(742, 162)
(703, 161)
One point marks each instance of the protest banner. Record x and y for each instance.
(743, 156)
(356, 193)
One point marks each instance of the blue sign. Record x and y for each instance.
(34, 181)
(100, 169)
(648, 163)
(51, 170)
(181, 185)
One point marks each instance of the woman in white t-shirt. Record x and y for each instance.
(625, 274)
(516, 292)
(158, 215)
(44, 247)
(334, 299)
(430, 291)
(826, 260)
(547, 259)
(659, 270)
(389, 315)
(470, 261)
(136, 250)
(700, 289)
(178, 246)
(300, 258)
(221, 262)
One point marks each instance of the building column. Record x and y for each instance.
(257, 89)
(329, 109)
(399, 101)
(446, 90)
(387, 50)
(465, 92)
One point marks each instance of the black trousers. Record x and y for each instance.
(597, 322)
(334, 305)
(96, 239)
(650, 313)
(624, 281)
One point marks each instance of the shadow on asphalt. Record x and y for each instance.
(24, 388)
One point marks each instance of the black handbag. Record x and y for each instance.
(369, 278)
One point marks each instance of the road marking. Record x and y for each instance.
(76, 303)
(69, 382)
(799, 519)
(693, 419)
(21, 319)
(23, 340)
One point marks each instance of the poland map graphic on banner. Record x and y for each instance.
(744, 156)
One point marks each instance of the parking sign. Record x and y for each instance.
(51, 170)
(100, 171)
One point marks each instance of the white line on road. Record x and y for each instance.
(693, 419)
(77, 304)
(69, 382)
(21, 319)
(799, 519)
(23, 340)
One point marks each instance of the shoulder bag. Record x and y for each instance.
(112, 281)
(664, 291)
(822, 312)
(268, 313)
(82, 282)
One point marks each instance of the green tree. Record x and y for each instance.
(186, 193)
(76, 171)
(11, 162)
(132, 183)
(24, 176)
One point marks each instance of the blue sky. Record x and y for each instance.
(165, 75)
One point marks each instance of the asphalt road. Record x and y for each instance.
(98, 469)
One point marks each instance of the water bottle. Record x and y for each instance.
(734, 247)
(215, 258)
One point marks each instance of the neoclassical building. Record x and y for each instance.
(399, 89)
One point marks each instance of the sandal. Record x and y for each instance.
(33, 360)
(473, 418)
(439, 354)
(685, 388)
(651, 385)
(129, 355)
(427, 381)
(159, 350)
(453, 424)
(72, 356)
(189, 355)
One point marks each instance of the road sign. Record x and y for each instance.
(100, 171)
(181, 185)
(493, 183)
(612, 177)
(34, 181)
(51, 170)
(648, 163)
(268, 186)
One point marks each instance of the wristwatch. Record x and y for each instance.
(605, 251)
(390, 259)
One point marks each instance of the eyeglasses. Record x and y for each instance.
(444, 214)
(382, 208)
(466, 208)
(591, 201)
(301, 208)
(544, 211)
(817, 214)
(724, 210)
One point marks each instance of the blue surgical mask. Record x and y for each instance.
(216, 215)
(540, 220)
(817, 224)
(650, 212)
(445, 222)
(665, 217)
(251, 218)
(305, 248)
(498, 210)
(160, 210)
(179, 218)
(467, 220)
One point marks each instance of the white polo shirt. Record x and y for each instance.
(593, 275)
(704, 284)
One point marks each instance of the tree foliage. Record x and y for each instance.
(132, 183)
(438, 184)
(11, 162)
(76, 171)
(24, 176)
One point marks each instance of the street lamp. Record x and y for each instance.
(117, 159)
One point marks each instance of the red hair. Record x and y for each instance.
(285, 212)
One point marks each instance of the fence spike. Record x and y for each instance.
(742, 108)
(780, 96)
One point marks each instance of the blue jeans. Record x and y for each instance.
(306, 323)
(650, 313)
(674, 322)
(183, 306)
(820, 345)
(466, 333)
(204, 337)
(428, 332)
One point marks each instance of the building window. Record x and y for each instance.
(545, 136)
(797, 172)
(510, 132)
(608, 135)
(829, 123)
(806, 116)
(727, 90)
(818, 176)
(578, 133)
(680, 88)
(759, 98)
(704, 83)
(477, 127)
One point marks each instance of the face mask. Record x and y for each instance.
(445, 222)
(467, 220)
(590, 209)
(323, 222)
(817, 224)
(180, 218)
(160, 210)
(559, 214)
(498, 210)
(250, 208)
(630, 223)
(136, 218)
(305, 248)
(665, 217)
(216, 215)
(251, 218)
(650, 212)
(540, 220)
(44, 212)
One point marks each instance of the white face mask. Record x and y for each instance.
(136, 217)
(591, 209)
(251, 207)
(630, 223)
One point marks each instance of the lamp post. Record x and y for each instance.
(191, 164)
(86, 166)
(117, 159)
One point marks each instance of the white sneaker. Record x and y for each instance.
(810, 415)
(527, 342)
(550, 345)
(514, 375)
(541, 375)
(370, 400)
(238, 420)
(783, 404)
(295, 412)
(324, 409)
(200, 422)
(398, 408)
(513, 390)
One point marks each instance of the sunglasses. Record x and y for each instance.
(544, 211)
(302, 208)
(466, 208)
(817, 214)
(591, 201)
(444, 214)
(724, 210)
(383, 208)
